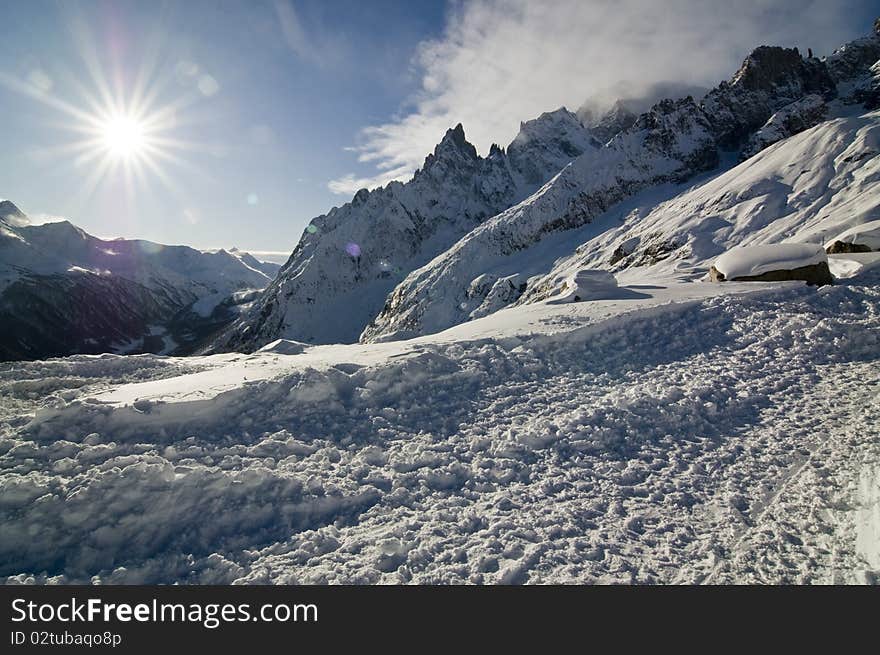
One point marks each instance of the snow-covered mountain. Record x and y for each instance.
(670, 144)
(65, 291)
(11, 216)
(776, 93)
(348, 260)
(464, 236)
(809, 189)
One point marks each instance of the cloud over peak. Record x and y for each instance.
(499, 62)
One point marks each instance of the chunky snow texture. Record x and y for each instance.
(751, 261)
(64, 291)
(725, 439)
(805, 189)
(348, 261)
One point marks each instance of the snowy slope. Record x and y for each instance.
(64, 291)
(808, 188)
(682, 432)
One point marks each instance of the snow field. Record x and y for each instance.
(720, 439)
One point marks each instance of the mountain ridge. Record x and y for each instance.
(672, 143)
(64, 291)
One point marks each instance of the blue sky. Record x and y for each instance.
(274, 132)
(266, 114)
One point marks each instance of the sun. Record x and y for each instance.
(126, 122)
(123, 136)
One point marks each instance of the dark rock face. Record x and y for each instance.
(839, 247)
(867, 91)
(9, 212)
(769, 69)
(814, 275)
(68, 314)
(618, 119)
(769, 79)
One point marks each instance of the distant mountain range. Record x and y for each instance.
(64, 291)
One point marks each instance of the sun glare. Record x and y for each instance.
(125, 122)
(123, 136)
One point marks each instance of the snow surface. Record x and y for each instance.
(756, 260)
(687, 432)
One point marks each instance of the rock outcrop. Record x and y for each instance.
(814, 274)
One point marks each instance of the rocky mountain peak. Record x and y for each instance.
(549, 120)
(769, 67)
(453, 147)
(10, 213)
(615, 120)
(420, 243)
(455, 137)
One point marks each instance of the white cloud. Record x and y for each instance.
(42, 219)
(499, 62)
(350, 184)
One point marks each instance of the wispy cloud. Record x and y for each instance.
(310, 42)
(499, 62)
(42, 219)
(350, 184)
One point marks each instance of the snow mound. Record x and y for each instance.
(590, 284)
(853, 264)
(866, 234)
(285, 347)
(756, 260)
